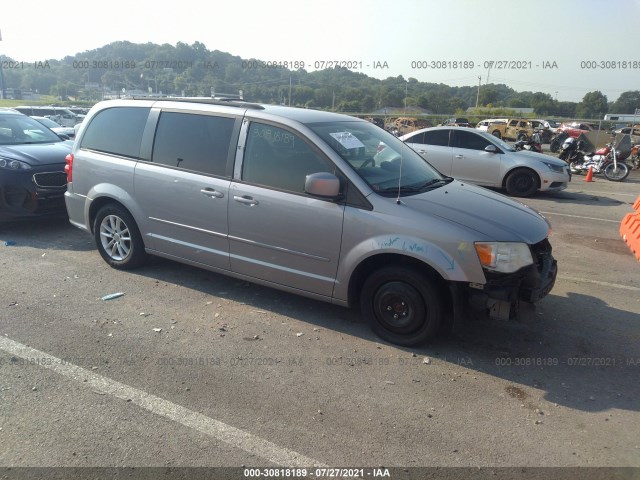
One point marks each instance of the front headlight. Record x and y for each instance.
(555, 168)
(9, 164)
(505, 257)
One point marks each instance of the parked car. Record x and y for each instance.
(295, 199)
(457, 122)
(60, 115)
(404, 125)
(483, 125)
(32, 177)
(69, 132)
(512, 129)
(575, 129)
(628, 130)
(481, 158)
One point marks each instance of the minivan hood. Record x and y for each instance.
(38, 153)
(494, 215)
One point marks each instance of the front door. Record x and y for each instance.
(277, 232)
(471, 162)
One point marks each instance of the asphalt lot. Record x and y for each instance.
(190, 368)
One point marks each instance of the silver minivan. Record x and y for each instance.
(295, 199)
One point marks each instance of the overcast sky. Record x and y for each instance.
(530, 34)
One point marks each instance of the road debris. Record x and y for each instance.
(111, 296)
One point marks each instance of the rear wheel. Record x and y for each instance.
(401, 305)
(617, 174)
(118, 238)
(522, 183)
(496, 133)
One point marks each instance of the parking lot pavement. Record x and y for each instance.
(193, 368)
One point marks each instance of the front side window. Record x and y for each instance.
(387, 164)
(469, 140)
(193, 141)
(277, 158)
(116, 130)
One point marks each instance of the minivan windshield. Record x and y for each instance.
(19, 130)
(383, 161)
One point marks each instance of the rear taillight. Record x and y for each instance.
(68, 168)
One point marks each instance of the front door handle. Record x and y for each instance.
(210, 192)
(246, 200)
(459, 156)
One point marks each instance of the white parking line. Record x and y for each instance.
(598, 282)
(579, 216)
(209, 426)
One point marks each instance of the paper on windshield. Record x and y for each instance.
(347, 140)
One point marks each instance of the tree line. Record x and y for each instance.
(193, 70)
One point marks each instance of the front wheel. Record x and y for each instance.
(496, 133)
(617, 174)
(402, 305)
(522, 183)
(118, 238)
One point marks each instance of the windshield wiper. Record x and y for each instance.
(434, 183)
(402, 189)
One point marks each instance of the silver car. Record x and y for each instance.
(296, 199)
(474, 156)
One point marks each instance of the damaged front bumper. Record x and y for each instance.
(500, 296)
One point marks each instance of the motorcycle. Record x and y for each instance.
(635, 157)
(571, 150)
(532, 143)
(557, 141)
(606, 160)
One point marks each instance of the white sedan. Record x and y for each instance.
(480, 158)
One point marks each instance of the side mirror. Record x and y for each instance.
(322, 184)
(491, 149)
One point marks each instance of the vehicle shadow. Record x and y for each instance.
(563, 196)
(581, 198)
(47, 233)
(577, 351)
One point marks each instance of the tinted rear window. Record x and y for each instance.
(117, 130)
(437, 137)
(193, 142)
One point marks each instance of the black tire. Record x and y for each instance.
(118, 238)
(401, 305)
(617, 176)
(496, 133)
(522, 182)
(554, 146)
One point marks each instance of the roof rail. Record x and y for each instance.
(234, 102)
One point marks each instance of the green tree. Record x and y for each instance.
(593, 105)
(627, 102)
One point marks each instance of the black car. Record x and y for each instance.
(32, 176)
